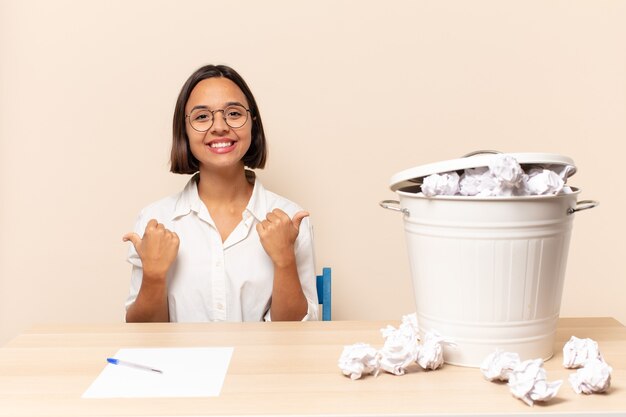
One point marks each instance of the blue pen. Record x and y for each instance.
(132, 365)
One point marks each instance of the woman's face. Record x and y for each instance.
(221, 145)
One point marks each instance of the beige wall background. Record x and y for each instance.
(351, 92)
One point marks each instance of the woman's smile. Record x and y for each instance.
(221, 146)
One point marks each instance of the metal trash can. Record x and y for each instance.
(487, 272)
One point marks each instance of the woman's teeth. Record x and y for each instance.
(220, 144)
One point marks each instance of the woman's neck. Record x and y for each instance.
(224, 186)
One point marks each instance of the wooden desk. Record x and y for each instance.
(281, 369)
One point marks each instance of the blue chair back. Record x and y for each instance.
(323, 292)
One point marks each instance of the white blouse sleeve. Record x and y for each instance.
(135, 261)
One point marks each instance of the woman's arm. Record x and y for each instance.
(278, 235)
(157, 249)
(151, 302)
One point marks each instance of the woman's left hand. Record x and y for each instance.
(278, 235)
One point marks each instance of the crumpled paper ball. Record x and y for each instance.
(498, 365)
(358, 359)
(577, 352)
(594, 377)
(509, 176)
(528, 382)
(477, 182)
(430, 354)
(441, 184)
(400, 348)
(544, 182)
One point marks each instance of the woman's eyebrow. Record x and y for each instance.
(205, 107)
(200, 106)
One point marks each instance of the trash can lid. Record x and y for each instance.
(413, 176)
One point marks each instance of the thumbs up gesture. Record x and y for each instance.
(157, 249)
(278, 235)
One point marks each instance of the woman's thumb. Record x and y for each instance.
(297, 218)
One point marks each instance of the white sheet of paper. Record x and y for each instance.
(187, 372)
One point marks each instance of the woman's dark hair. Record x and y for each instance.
(182, 160)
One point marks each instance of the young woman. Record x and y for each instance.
(224, 248)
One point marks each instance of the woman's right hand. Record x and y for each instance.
(157, 249)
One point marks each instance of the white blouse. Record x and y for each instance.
(211, 280)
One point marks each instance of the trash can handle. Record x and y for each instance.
(480, 152)
(583, 205)
(395, 206)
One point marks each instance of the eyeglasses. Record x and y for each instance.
(201, 119)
